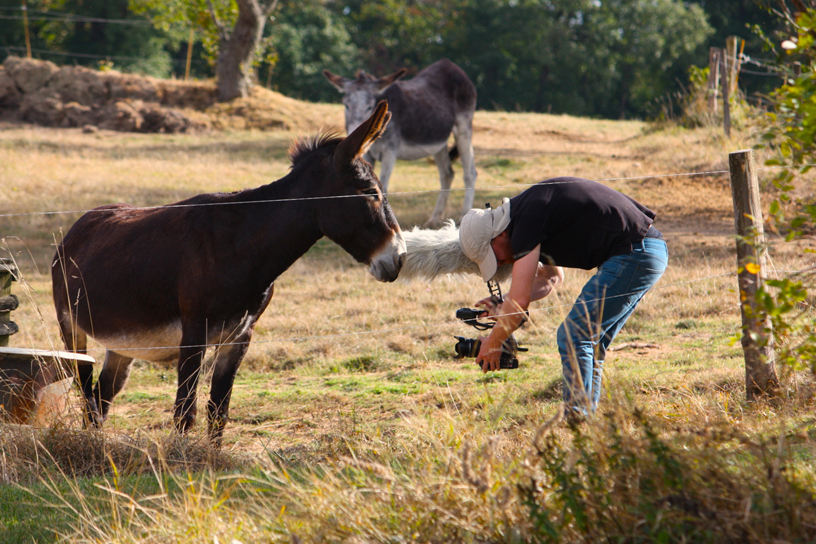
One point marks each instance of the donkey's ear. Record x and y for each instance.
(385, 81)
(357, 143)
(337, 81)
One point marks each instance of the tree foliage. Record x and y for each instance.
(792, 133)
(305, 38)
(571, 56)
(608, 58)
(130, 44)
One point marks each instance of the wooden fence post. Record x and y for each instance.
(732, 62)
(8, 302)
(725, 94)
(25, 26)
(713, 78)
(189, 53)
(757, 337)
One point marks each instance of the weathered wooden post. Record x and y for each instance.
(8, 302)
(757, 336)
(732, 62)
(189, 53)
(713, 78)
(725, 94)
(25, 27)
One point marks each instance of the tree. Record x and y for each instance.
(582, 57)
(232, 34)
(305, 39)
(236, 48)
(79, 31)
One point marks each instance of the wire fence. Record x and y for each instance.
(396, 193)
(92, 56)
(123, 350)
(423, 325)
(61, 17)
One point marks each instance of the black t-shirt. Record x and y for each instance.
(578, 223)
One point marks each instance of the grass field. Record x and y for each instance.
(349, 416)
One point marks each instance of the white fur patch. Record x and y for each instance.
(433, 253)
(159, 345)
(412, 152)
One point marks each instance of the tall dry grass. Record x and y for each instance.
(626, 476)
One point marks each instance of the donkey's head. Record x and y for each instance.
(361, 220)
(360, 94)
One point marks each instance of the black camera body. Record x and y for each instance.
(469, 347)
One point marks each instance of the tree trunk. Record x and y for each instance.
(236, 51)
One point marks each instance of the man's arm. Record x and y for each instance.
(512, 310)
(547, 278)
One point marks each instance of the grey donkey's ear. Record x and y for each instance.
(385, 81)
(338, 81)
(357, 143)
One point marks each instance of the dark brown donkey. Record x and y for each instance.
(163, 284)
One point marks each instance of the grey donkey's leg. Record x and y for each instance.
(443, 164)
(111, 380)
(388, 159)
(463, 132)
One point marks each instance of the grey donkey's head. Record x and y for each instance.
(360, 94)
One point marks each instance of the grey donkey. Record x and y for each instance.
(439, 100)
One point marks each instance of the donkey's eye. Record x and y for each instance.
(372, 192)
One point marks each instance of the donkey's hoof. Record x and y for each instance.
(184, 424)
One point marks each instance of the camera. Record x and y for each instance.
(469, 347)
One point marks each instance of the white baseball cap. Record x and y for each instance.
(477, 230)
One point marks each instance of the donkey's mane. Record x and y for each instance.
(303, 147)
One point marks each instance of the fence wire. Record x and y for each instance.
(398, 193)
(388, 330)
(390, 194)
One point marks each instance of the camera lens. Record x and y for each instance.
(467, 347)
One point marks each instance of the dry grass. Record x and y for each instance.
(365, 427)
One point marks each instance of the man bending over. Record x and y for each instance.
(573, 223)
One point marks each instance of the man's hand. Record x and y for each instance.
(489, 357)
(492, 305)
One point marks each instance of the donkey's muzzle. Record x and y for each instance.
(386, 265)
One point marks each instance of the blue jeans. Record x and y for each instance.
(605, 303)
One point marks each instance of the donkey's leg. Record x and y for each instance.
(76, 340)
(389, 159)
(225, 367)
(443, 164)
(191, 353)
(463, 133)
(111, 380)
